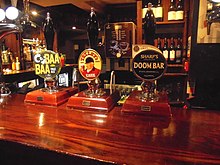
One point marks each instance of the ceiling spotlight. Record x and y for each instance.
(2, 15)
(217, 1)
(34, 13)
(12, 13)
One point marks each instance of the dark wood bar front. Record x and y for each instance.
(36, 134)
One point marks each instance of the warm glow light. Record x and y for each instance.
(34, 13)
(99, 121)
(74, 27)
(2, 14)
(11, 13)
(1, 128)
(100, 115)
(41, 120)
(217, 1)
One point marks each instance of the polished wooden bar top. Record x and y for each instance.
(190, 137)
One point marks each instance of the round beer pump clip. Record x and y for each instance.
(90, 64)
(47, 64)
(148, 64)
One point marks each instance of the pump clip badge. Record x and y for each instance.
(47, 64)
(90, 64)
(149, 65)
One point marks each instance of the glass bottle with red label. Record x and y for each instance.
(172, 51)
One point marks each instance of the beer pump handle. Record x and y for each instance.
(112, 81)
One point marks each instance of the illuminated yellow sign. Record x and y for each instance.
(90, 64)
(47, 64)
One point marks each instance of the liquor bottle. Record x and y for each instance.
(10, 55)
(159, 43)
(49, 31)
(159, 12)
(209, 6)
(149, 26)
(179, 51)
(172, 11)
(179, 10)
(3, 46)
(186, 60)
(172, 51)
(30, 53)
(165, 49)
(13, 65)
(4, 53)
(17, 64)
(93, 29)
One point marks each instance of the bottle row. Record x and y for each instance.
(175, 11)
(171, 48)
(157, 11)
(8, 58)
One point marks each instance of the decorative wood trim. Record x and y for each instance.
(139, 22)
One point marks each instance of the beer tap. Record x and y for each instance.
(112, 81)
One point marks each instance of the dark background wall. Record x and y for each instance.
(204, 68)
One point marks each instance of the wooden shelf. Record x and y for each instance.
(175, 74)
(170, 22)
(5, 64)
(175, 65)
(176, 103)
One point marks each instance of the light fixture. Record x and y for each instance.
(2, 15)
(216, 1)
(11, 13)
(34, 13)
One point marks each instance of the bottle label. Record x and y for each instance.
(179, 15)
(178, 53)
(159, 12)
(178, 56)
(165, 54)
(13, 66)
(171, 15)
(149, 64)
(154, 10)
(144, 11)
(172, 55)
(17, 65)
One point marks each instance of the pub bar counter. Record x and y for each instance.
(36, 134)
(41, 134)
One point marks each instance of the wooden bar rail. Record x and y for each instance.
(36, 134)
